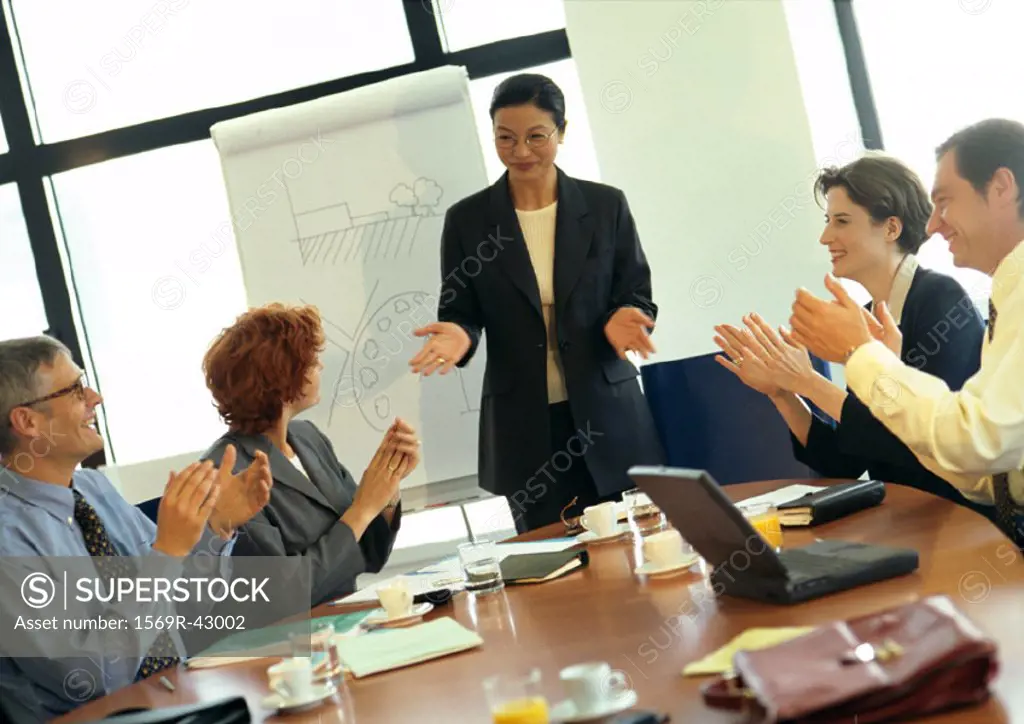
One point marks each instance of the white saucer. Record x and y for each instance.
(589, 536)
(283, 706)
(379, 618)
(649, 569)
(565, 711)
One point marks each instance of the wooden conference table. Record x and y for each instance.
(650, 629)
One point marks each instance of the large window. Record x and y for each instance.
(577, 156)
(157, 274)
(102, 65)
(20, 298)
(934, 70)
(140, 219)
(470, 23)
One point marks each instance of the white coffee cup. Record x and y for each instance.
(396, 599)
(600, 519)
(592, 686)
(663, 548)
(292, 679)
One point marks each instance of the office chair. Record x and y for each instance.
(150, 507)
(708, 419)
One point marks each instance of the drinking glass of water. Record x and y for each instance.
(642, 515)
(318, 644)
(480, 568)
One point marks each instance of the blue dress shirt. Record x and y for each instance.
(37, 519)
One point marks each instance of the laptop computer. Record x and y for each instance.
(743, 565)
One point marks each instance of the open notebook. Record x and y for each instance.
(395, 648)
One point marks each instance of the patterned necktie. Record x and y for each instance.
(111, 565)
(1006, 511)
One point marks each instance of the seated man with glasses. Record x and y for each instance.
(49, 508)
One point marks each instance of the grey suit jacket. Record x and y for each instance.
(303, 515)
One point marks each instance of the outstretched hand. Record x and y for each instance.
(446, 344)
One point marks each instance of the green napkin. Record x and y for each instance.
(273, 640)
(395, 648)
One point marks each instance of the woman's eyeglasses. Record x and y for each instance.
(77, 388)
(536, 139)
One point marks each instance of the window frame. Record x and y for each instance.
(30, 165)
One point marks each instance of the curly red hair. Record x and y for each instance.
(260, 363)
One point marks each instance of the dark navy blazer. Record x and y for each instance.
(942, 335)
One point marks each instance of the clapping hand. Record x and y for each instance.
(883, 327)
(831, 330)
(185, 508)
(241, 496)
(401, 438)
(628, 330)
(447, 343)
(741, 360)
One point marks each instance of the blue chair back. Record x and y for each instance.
(708, 419)
(150, 507)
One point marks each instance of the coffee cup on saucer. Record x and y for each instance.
(665, 548)
(396, 599)
(593, 687)
(600, 519)
(292, 679)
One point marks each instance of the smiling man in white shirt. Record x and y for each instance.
(974, 438)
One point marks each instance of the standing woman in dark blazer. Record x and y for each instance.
(552, 269)
(876, 213)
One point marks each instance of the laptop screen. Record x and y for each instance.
(696, 506)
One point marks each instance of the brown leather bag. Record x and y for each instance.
(904, 662)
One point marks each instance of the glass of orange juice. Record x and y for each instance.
(516, 698)
(765, 519)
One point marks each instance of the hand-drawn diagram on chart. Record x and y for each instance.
(376, 354)
(331, 235)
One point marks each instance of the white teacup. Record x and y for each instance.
(292, 679)
(396, 599)
(664, 548)
(592, 686)
(600, 519)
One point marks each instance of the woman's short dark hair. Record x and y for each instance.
(884, 187)
(533, 88)
(985, 147)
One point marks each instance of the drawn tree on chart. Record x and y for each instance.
(331, 235)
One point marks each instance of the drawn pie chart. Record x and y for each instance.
(382, 351)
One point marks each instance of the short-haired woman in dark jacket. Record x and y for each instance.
(876, 213)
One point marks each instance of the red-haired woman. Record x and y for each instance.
(263, 371)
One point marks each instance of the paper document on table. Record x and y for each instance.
(753, 639)
(447, 573)
(402, 647)
(551, 545)
(782, 495)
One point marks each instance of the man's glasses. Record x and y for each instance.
(536, 139)
(77, 388)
